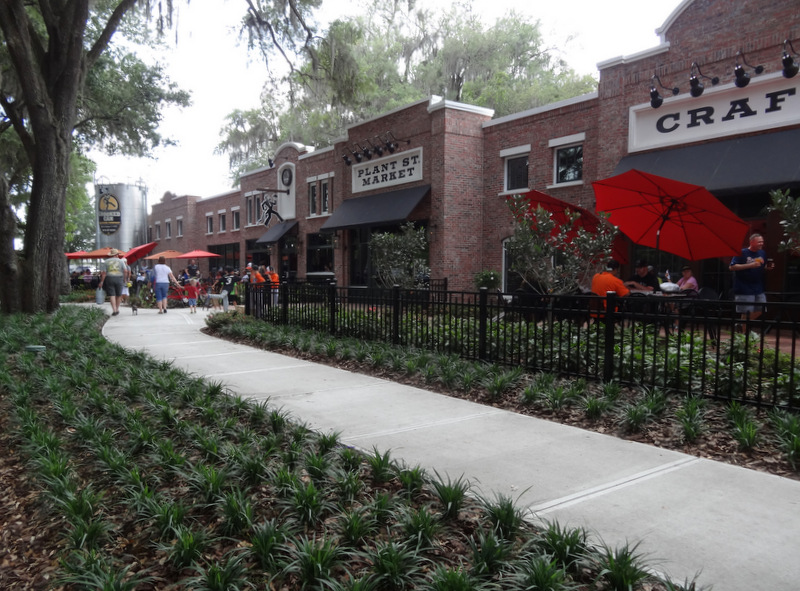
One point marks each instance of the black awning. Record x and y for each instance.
(385, 208)
(743, 165)
(276, 232)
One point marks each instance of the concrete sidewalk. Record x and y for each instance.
(738, 528)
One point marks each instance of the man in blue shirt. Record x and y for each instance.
(748, 278)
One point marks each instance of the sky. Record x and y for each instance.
(209, 62)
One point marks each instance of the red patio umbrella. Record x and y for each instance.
(587, 220)
(198, 254)
(665, 214)
(137, 252)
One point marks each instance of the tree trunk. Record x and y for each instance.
(45, 263)
(10, 297)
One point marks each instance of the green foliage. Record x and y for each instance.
(400, 258)
(789, 210)
(553, 258)
(391, 55)
(622, 569)
(451, 494)
(488, 279)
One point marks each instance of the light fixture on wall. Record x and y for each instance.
(742, 77)
(392, 143)
(271, 161)
(378, 150)
(367, 152)
(335, 240)
(695, 83)
(347, 160)
(655, 98)
(790, 66)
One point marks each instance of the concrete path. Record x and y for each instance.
(738, 528)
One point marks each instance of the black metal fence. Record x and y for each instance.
(694, 345)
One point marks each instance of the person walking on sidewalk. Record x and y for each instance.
(163, 277)
(114, 276)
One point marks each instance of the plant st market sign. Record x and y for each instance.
(397, 169)
(109, 215)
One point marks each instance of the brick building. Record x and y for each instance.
(449, 166)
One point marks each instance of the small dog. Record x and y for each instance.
(134, 309)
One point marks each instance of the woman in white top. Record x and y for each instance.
(162, 278)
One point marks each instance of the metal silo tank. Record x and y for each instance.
(121, 215)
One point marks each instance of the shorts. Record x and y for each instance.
(162, 289)
(192, 302)
(747, 303)
(113, 286)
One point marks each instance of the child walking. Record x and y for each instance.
(192, 291)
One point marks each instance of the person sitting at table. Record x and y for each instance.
(687, 280)
(605, 282)
(643, 279)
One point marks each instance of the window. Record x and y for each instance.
(168, 229)
(179, 227)
(209, 224)
(249, 208)
(324, 201)
(319, 253)
(517, 172)
(235, 219)
(222, 224)
(158, 230)
(569, 164)
(568, 158)
(312, 198)
(319, 191)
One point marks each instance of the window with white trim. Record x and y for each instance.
(168, 229)
(158, 230)
(324, 196)
(179, 227)
(568, 158)
(312, 198)
(517, 173)
(515, 167)
(209, 224)
(235, 219)
(222, 223)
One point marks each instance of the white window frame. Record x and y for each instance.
(509, 154)
(236, 219)
(209, 223)
(158, 230)
(168, 228)
(567, 141)
(223, 221)
(179, 226)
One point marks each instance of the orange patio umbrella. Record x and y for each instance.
(78, 254)
(167, 254)
(100, 253)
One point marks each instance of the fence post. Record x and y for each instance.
(483, 317)
(332, 307)
(283, 288)
(608, 336)
(396, 311)
(246, 299)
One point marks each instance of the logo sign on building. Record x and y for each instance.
(109, 216)
(768, 102)
(379, 173)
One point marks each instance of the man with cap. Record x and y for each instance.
(643, 279)
(114, 274)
